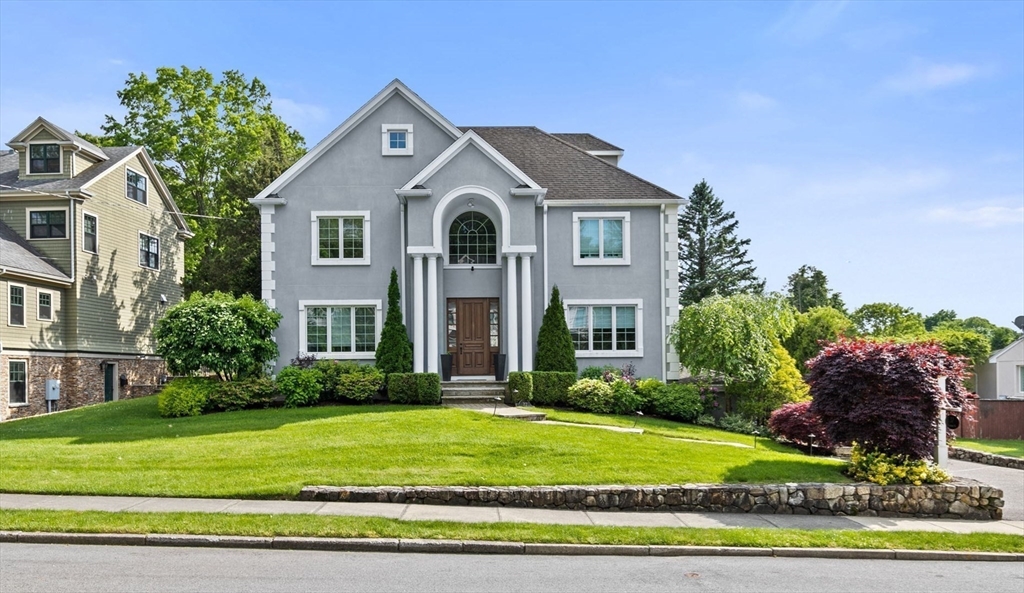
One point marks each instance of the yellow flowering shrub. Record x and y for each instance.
(883, 469)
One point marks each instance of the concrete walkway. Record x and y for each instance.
(416, 512)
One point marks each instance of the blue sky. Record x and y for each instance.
(880, 142)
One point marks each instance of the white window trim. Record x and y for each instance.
(314, 232)
(28, 223)
(7, 383)
(385, 144)
(1020, 379)
(128, 169)
(600, 261)
(97, 218)
(378, 306)
(159, 251)
(53, 304)
(28, 157)
(24, 304)
(638, 303)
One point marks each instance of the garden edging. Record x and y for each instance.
(986, 458)
(959, 499)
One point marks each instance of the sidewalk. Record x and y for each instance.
(465, 514)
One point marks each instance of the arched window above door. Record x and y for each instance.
(472, 239)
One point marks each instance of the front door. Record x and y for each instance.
(108, 382)
(472, 335)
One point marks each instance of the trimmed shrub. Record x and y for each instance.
(300, 387)
(740, 424)
(884, 469)
(646, 389)
(414, 388)
(551, 388)
(705, 420)
(187, 396)
(796, 422)
(555, 351)
(592, 395)
(230, 396)
(428, 388)
(522, 383)
(394, 353)
(593, 372)
(625, 399)
(349, 381)
(678, 401)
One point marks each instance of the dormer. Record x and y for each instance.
(594, 146)
(47, 151)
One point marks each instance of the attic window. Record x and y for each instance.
(44, 158)
(136, 186)
(396, 139)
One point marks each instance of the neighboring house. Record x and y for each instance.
(1003, 376)
(91, 254)
(481, 223)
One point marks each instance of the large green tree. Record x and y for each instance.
(941, 316)
(712, 259)
(808, 288)
(817, 326)
(216, 144)
(884, 320)
(998, 337)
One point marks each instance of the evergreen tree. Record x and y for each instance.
(555, 351)
(394, 354)
(808, 288)
(712, 260)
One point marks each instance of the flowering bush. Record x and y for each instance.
(796, 422)
(885, 469)
(592, 395)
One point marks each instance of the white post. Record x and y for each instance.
(942, 452)
(417, 318)
(432, 362)
(513, 315)
(527, 314)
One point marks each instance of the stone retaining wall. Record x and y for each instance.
(986, 458)
(961, 499)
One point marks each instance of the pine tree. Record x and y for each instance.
(555, 351)
(808, 288)
(394, 354)
(712, 260)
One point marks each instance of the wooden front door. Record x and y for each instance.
(472, 335)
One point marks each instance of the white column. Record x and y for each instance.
(527, 314)
(513, 315)
(432, 337)
(417, 317)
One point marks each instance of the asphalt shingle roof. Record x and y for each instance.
(585, 141)
(9, 172)
(568, 172)
(16, 253)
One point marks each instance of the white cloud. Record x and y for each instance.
(753, 101)
(982, 216)
(806, 21)
(296, 114)
(925, 77)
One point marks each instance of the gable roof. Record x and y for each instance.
(995, 356)
(587, 142)
(470, 138)
(396, 87)
(60, 133)
(18, 255)
(567, 171)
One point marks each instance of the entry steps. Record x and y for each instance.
(484, 396)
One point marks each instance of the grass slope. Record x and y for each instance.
(1008, 447)
(126, 448)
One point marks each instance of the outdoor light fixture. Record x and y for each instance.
(495, 412)
(811, 436)
(756, 433)
(638, 415)
(471, 204)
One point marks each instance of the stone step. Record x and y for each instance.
(458, 399)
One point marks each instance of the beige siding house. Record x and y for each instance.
(91, 254)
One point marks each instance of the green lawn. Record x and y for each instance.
(1008, 447)
(126, 448)
(333, 526)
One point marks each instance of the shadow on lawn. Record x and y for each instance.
(771, 471)
(138, 420)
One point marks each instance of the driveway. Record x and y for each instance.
(1011, 481)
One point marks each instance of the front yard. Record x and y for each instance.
(1008, 447)
(126, 448)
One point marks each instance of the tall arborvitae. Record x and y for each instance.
(712, 260)
(394, 354)
(555, 351)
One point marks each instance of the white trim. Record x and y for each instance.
(7, 381)
(547, 293)
(97, 219)
(385, 139)
(512, 312)
(433, 337)
(33, 128)
(452, 151)
(662, 288)
(395, 87)
(1020, 379)
(600, 153)
(503, 211)
(448, 266)
(24, 304)
(144, 176)
(417, 304)
(28, 224)
(159, 252)
(28, 156)
(623, 203)
(602, 260)
(53, 304)
(267, 249)
(413, 193)
(590, 304)
(378, 314)
(526, 303)
(314, 221)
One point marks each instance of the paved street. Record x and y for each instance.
(1011, 481)
(110, 569)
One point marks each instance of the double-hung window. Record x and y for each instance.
(44, 158)
(600, 238)
(340, 329)
(90, 233)
(15, 305)
(606, 327)
(396, 139)
(149, 251)
(340, 238)
(136, 186)
(44, 309)
(47, 224)
(17, 381)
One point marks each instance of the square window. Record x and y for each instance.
(340, 238)
(47, 224)
(601, 238)
(396, 139)
(44, 158)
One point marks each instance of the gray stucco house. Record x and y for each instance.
(480, 223)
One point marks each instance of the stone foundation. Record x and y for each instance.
(961, 499)
(986, 458)
(81, 381)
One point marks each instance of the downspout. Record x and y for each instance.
(661, 290)
(547, 291)
(72, 228)
(402, 256)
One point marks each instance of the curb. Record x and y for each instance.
(447, 546)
